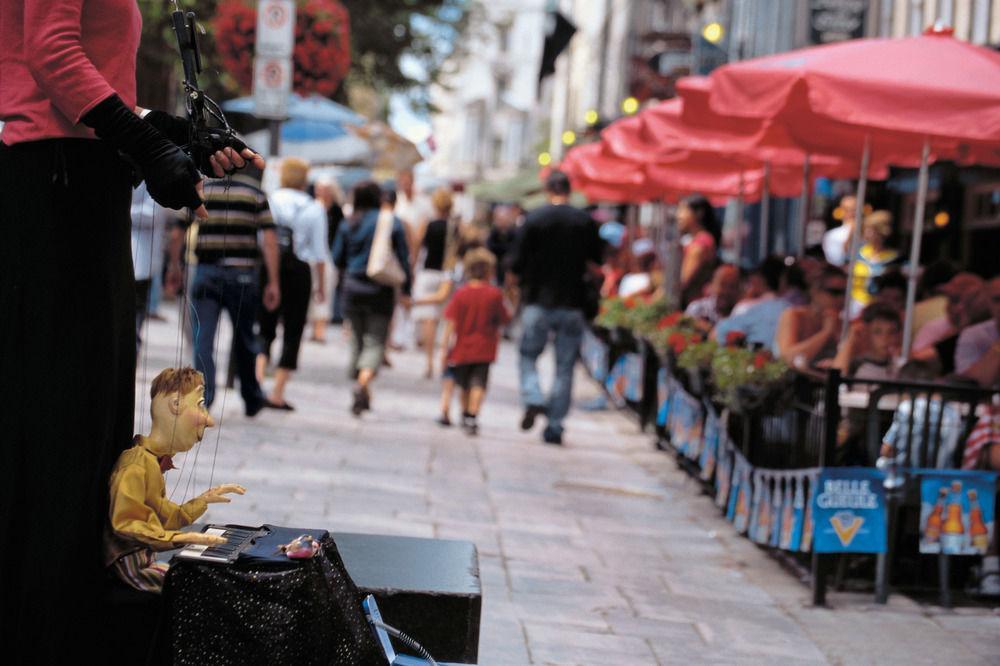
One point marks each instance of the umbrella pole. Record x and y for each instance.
(765, 211)
(804, 206)
(856, 235)
(738, 242)
(918, 234)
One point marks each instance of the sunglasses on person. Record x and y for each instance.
(835, 290)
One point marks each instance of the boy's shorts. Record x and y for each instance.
(468, 375)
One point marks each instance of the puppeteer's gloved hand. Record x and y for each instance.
(170, 175)
(217, 494)
(233, 154)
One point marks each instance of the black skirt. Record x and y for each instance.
(67, 384)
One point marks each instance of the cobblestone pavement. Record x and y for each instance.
(599, 552)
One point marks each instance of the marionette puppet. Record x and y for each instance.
(142, 519)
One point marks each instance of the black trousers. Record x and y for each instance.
(296, 288)
(67, 384)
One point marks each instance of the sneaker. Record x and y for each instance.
(552, 437)
(471, 427)
(443, 420)
(531, 412)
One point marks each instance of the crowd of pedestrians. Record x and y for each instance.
(464, 286)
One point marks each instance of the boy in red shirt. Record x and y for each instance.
(474, 320)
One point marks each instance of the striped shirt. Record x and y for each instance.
(237, 211)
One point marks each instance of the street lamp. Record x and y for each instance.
(591, 117)
(630, 105)
(569, 137)
(544, 159)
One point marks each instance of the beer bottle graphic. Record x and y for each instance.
(953, 530)
(977, 528)
(932, 528)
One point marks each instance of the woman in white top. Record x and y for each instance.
(302, 238)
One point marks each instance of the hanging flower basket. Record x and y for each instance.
(322, 51)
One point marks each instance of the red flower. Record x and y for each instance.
(673, 318)
(735, 338)
(322, 53)
(629, 302)
(677, 341)
(760, 359)
(696, 338)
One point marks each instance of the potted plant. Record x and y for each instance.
(748, 380)
(696, 359)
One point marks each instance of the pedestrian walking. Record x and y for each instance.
(367, 303)
(149, 229)
(328, 193)
(301, 226)
(226, 278)
(474, 320)
(556, 249)
(433, 281)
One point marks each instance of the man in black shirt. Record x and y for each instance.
(555, 249)
(226, 277)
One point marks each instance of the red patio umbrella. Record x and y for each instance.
(906, 101)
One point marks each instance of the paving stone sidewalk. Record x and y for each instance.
(598, 552)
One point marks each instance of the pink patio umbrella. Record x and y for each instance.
(904, 101)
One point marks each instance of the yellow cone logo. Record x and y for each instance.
(846, 525)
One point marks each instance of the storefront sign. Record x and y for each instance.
(956, 511)
(836, 20)
(849, 511)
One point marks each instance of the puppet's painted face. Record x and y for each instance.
(192, 420)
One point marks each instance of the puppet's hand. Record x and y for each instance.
(198, 538)
(216, 494)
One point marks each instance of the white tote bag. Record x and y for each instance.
(383, 266)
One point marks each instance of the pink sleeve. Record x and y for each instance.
(55, 56)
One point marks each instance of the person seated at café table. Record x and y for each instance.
(723, 292)
(977, 355)
(759, 321)
(890, 290)
(761, 284)
(640, 280)
(872, 344)
(807, 335)
(958, 293)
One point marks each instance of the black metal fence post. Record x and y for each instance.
(827, 448)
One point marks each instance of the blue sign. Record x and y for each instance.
(595, 356)
(849, 511)
(663, 392)
(624, 382)
(956, 511)
(710, 443)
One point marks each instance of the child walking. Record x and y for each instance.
(474, 321)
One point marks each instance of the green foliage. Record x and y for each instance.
(697, 355)
(739, 374)
(383, 31)
(637, 314)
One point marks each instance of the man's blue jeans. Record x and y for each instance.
(565, 326)
(236, 290)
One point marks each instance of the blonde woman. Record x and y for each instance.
(433, 281)
(301, 224)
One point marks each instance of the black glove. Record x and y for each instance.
(170, 175)
(175, 128)
(206, 141)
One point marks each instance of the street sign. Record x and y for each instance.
(275, 28)
(272, 69)
(272, 82)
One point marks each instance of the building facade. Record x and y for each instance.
(487, 126)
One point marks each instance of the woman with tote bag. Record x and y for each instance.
(371, 252)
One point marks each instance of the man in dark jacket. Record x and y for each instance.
(555, 249)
